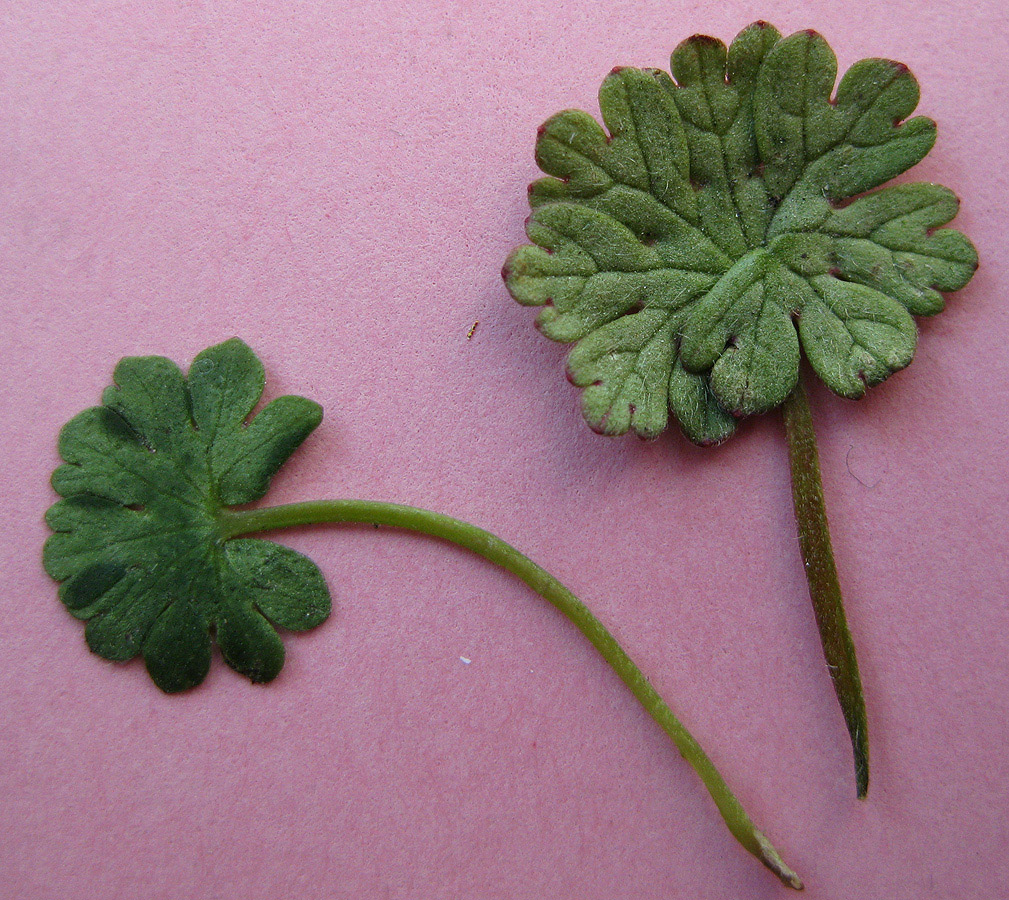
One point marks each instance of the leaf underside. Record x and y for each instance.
(137, 545)
(698, 246)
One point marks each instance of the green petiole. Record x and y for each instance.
(821, 574)
(237, 523)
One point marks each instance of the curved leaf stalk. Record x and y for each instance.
(492, 548)
(821, 574)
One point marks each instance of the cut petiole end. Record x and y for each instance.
(770, 858)
(860, 746)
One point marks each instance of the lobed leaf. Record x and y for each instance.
(694, 246)
(137, 542)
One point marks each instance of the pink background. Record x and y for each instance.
(339, 186)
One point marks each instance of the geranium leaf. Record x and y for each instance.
(150, 556)
(701, 233)
(137, 540)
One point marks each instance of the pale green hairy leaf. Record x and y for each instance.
(699, 245)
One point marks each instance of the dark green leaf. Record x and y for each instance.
(137, 540)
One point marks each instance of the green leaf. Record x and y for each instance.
(694, 244)
(137, 540)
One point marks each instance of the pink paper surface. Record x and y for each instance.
(339, 184)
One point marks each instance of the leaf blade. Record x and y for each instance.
(137, 540)
(744, 148)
